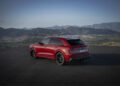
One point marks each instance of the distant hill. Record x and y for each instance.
(71, 30)
(115, 26)
(85, 31)
(61, 27)
(14, 34)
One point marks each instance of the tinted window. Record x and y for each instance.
(45, 41)
(75, 42)
(55, 42)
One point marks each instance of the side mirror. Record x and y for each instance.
(40, 43)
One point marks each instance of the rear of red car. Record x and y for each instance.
(77, 49)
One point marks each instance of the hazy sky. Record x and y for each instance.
(43, 13)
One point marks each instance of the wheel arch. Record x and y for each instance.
(60, 52)
(32, 49)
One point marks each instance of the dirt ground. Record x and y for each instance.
(17, 68)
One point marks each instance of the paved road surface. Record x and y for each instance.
(17, 68)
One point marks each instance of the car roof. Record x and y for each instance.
(63, 38)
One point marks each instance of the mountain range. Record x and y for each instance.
(29, 34)
(115, 26)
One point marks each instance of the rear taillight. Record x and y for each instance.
(84, 48)
(78, 50)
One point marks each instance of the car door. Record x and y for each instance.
(52, 47)
(41, 49)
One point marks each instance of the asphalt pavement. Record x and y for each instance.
(17, 68)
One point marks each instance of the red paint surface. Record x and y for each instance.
(49, 50)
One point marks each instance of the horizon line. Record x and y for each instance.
(56, 25)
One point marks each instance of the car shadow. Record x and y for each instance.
(94, 59)
(99, 59)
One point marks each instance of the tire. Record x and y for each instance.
(60, 60)
(33, 54)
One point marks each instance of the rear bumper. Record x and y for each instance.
(77, 56)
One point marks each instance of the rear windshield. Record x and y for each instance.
(75, 42)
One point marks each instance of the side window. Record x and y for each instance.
(55, 42)
(45, 41)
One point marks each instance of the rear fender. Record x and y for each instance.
(62, 53)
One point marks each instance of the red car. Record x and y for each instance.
(60, 49)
